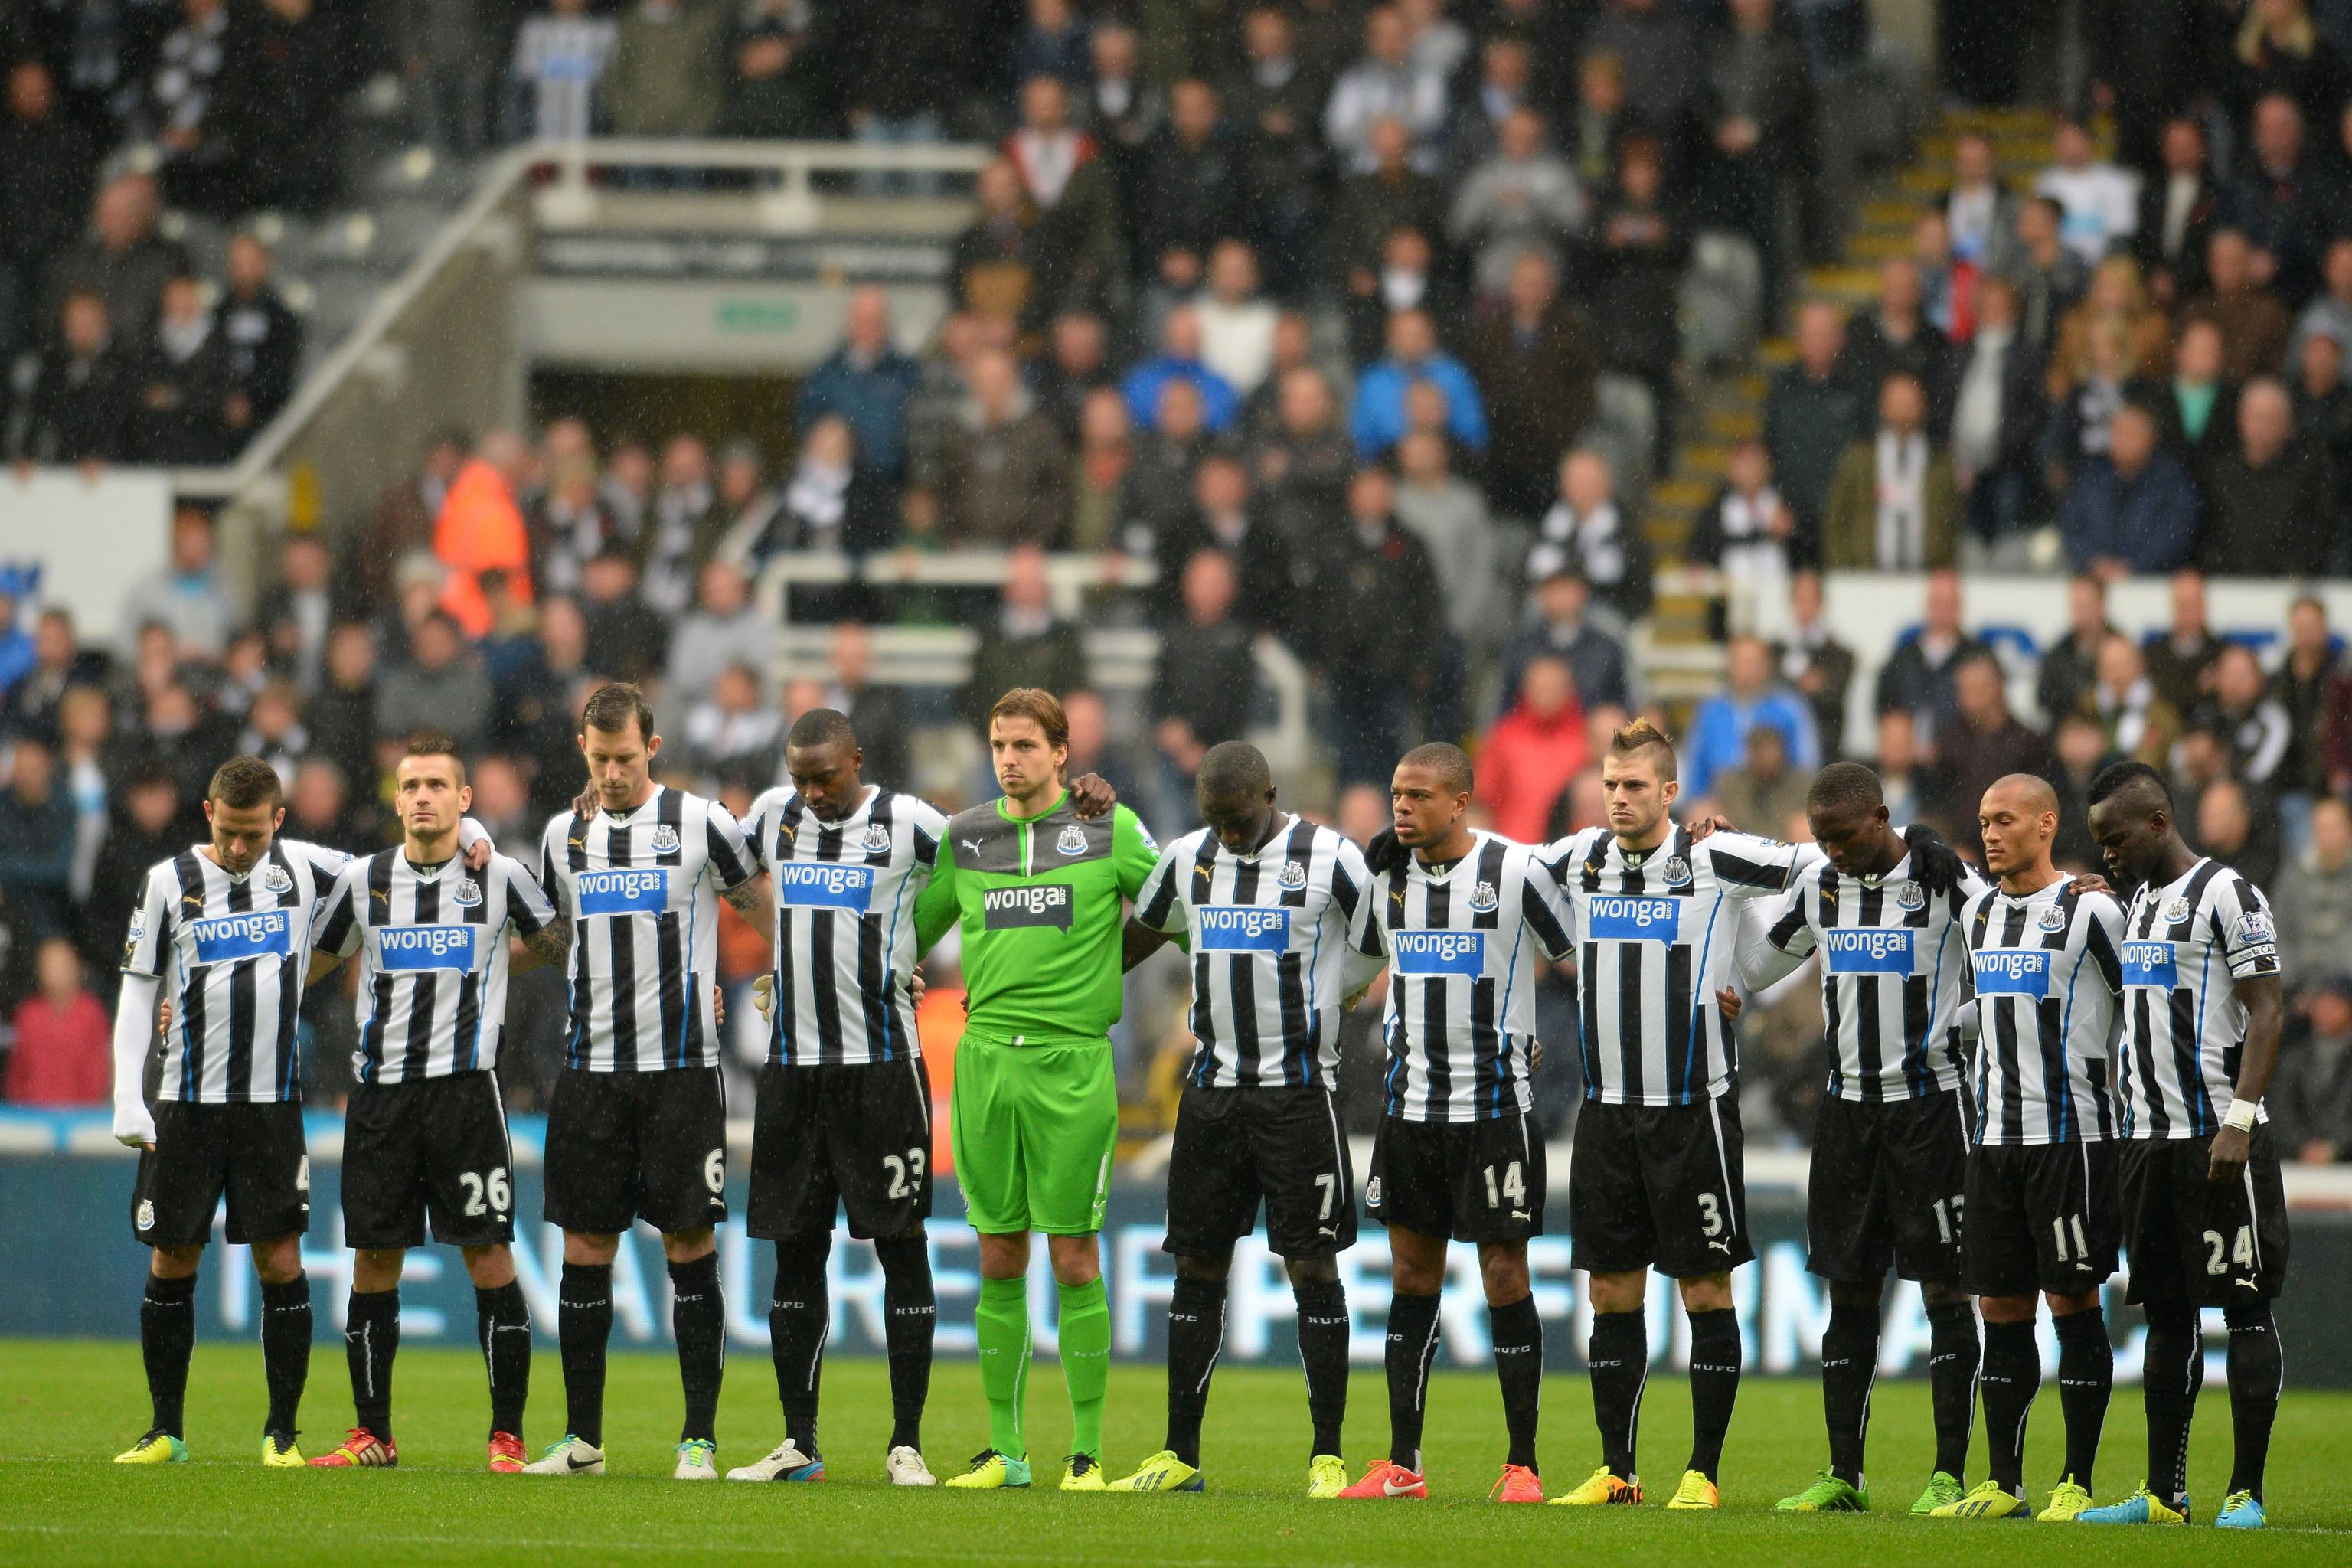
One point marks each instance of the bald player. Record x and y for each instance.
(2042, 1215)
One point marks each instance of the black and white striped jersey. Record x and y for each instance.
(233, 952)
(1462, 949)
(844, 946)
(1657, 936)
(1893, 965)
(433, 958)
(642, 890)
(2047, 975)
(2185, 946)
(1279, 939)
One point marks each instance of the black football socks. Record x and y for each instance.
(1617, 1357)
(910, 1314)
(1196, 1331)
(286, 1349)
(698, 1316)
(1412, 1342)
(584, 1322)
(2086, 1379)
(167, 1336)
(2257, 1367)
(2172, 1371)
(1849, 1364)
(2012, 1376)
(371, 1339)
(1518, 1334)
(502, 1326)
(1714, 1353)
(798, 1316)
(1954, 1356)
(1323, 1351)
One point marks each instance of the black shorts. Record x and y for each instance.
(1660, 1187)
(2040, 1216)
(1473, 1181)
(2193, 1243)
(625, 1146)
(435, 1145)
(252, 1152)
(1888, 1188)
(856, 1137)
(1234, 1146)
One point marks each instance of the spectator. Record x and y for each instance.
(1410, 278)
(2117, 302)
(2271, 503)
(1907, 776)
(1599, 119)
(36, 840)
(2279, 50)
(2080, 749)
(1102, 479)
(1811, 412)
(877, 712)
(1640, 246)
(1893, 505)
(1586, 533)
(84, 396)
(667, 76)
(729, 729)
(2323, 412)
(37, 670)
(1275, 100)
(628, 637)
(1661, 55)
(1207, 675)
(1382, 618)
(1897, 336)
(1180, 360)
(2312, 897)
(866, 380)
(2201, 418)
(683, 528)
(480, 528)
(52, 161)
(1237, 321)
(1814, 664)
(1189, 191)
(1078, 367)
(1542, 348)
(341, 711)
(2179, 659)
(1380, 420)
(440, 688)
(2227, 831)
(273, 730)
(1983, 744)
(1053, 42)
(776, 88)
(1992, 396)
(1390, 196)
(1002, 266)
(723, 630)
(2069, 667)
(122, 260)
(2088, 392)
(1745, 533)
(1063, 173)
(1917, 678)
(1764, 794)
(1091, 743)
(2253, 724)
(2133, 511)
(1718, 740)
(1006, 468)
(2138, 719)
(1524, 200)
(2299, 686)
(189, 596)
(2049, 277)
(2277, 203)
(1224, 520)
(1560, 629)
(1979, 216)
(290, 118)
(182, 376)
(833, 503)
(2310, 1099)
(560, 59)
(62, 1056)
(296, 614)
(191, 106)
(1123, 110)
(1026, 643)
(1386, 83)
(263, 340)
(2101, 201)
(1165, 465)
(1506, 85)
(1759, 99)
(1533, 750)
(2330, 313)
(2253, 324)
(2177, 214)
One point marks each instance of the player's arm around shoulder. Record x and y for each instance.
(938, 907)
(545, 935)
(339, 919)
(1748, 867)
(1134, 853)
(2103, 938)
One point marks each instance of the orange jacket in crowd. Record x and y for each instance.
(1526, 762)
(480, 528)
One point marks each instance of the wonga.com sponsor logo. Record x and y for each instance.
(1869, 950)
(2013, 972)
(1615, 917)
(1028, 905)
(425, 947)
(225, 938)
(824, 885)
(631, 891)
(1240, 929)
(1439, 952)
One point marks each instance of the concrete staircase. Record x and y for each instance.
(1726, 408)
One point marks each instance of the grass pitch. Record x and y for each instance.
(66, 1407)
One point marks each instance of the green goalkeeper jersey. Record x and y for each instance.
(1041, 901)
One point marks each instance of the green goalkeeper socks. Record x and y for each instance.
(1003, 1329)
(1086, 1361)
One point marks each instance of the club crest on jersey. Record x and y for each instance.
(1439, 952)
(277, 878)
(2150, 963)
(622, 890)
(1868, 949)
(2051, 918)
(1616, 918)
(467, 893)
(1072, 840)
(1242, 928)
(2013, 972)
(1294, 876)
(257, 934)
(665, 839)
(824, 885)
(2177, 911)
(1677, 871)
(1911, 895)
(412, 948)
(1483, 898)
(1372, 1193)
(146, 1213)
(878, 838)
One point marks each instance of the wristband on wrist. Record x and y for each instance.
(2241, 1114)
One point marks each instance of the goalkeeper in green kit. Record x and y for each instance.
(1041, 896)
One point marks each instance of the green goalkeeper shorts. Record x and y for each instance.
(1033, 1127)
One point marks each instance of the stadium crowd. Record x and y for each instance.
(1315, 308)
